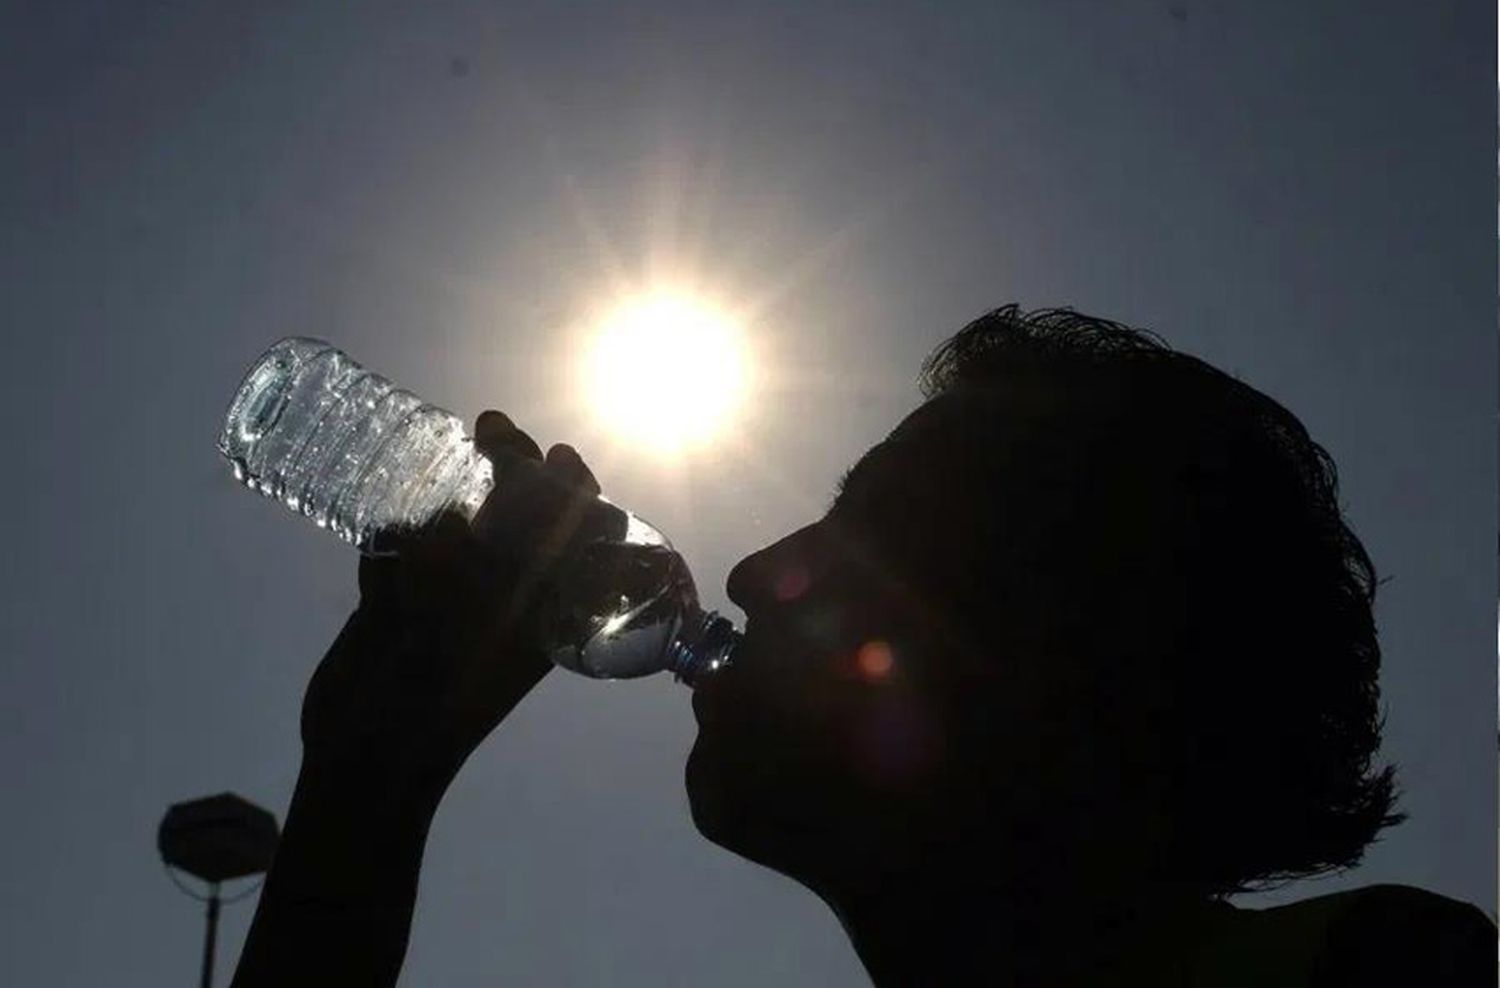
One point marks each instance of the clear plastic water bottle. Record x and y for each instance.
(363, 458)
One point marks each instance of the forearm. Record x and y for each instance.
(337, 904)
(418, 676)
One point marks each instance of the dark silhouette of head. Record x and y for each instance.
(1090, 614)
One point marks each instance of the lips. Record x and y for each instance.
(713, 696)
(705, 697)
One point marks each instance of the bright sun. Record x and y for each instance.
(667, 371)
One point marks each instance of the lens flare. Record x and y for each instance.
(791, 583)
(875, 660)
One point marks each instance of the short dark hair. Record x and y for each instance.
(1262, 626)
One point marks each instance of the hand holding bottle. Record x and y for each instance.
(449, 633)
(374, 463)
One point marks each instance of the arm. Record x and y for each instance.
(440, 649)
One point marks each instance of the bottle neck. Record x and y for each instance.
(703, 647)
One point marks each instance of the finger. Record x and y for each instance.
(378, 576)
(564, 462)
(412, 558)
(445, 534)
(496, 435)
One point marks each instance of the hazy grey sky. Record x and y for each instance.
(1302, 193)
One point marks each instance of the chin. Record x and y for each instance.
(708, 801)
(725, 812)
(747, 822)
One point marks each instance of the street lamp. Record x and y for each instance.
(216, 839)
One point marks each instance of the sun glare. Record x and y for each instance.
(667, 371)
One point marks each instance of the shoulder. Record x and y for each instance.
(1392, 935)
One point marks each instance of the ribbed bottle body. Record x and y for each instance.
(346, 447)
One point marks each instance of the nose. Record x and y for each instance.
(745, 579)
(777, 574)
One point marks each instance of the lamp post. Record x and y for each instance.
(216, 839)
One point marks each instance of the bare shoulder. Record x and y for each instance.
(1396, 935)
(1371, 937)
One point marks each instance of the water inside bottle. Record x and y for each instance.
(624, 605)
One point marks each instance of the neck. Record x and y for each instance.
(1021, 933)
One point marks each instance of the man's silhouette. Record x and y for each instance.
(1082, 648)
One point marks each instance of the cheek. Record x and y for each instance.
(819, 630)
(894, 743)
